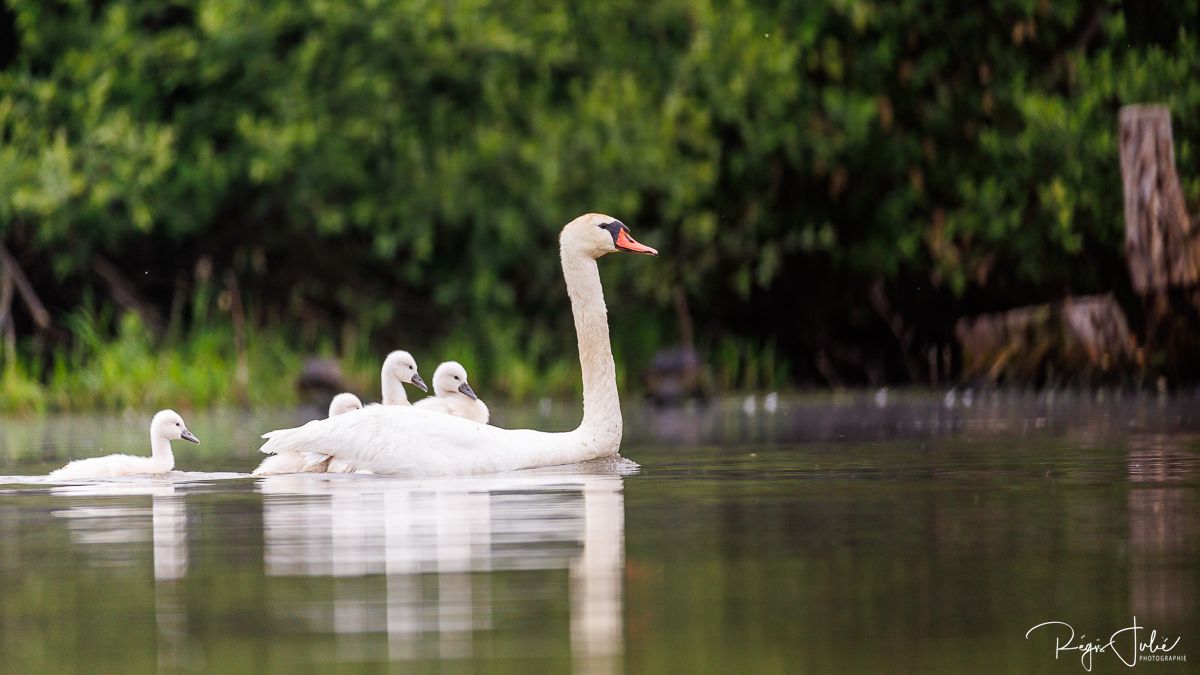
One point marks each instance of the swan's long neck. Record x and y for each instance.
(393, 390)
(160, 449)
(601, 405)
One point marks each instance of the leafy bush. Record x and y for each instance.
(400, 170)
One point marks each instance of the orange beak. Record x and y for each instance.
(628, 243)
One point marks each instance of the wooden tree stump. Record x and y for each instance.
(1089, 337)
(1096, 327)
(1084, 338)
(1162, 242)
(1161, 246)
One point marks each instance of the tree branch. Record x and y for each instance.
(41, 318)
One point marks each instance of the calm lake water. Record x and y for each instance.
(864, 533)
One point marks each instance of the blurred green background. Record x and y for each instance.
(832, 184)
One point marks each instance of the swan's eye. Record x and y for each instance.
(178, 424)
(614, 228)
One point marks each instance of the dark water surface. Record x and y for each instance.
(865, 533)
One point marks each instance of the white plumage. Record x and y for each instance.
(293, 462)
(165, 427)
(399, 368)
(344, 402)
(453, 395)
(416, 442)
(413, 441)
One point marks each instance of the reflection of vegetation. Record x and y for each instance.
(392, 173)
(898, 556)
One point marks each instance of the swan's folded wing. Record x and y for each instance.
(296, 439)
(405, 440)
(449, 445)
(414, 441)
(352, 433)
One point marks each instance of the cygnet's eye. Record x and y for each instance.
(178, 424)
(457, 377)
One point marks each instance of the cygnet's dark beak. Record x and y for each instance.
(466, 389)
(189, 437)
(419, 383)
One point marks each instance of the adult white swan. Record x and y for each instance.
(453, 395)
(166, 426)
(412, 441)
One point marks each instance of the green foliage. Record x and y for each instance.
(132, 370)
(405, 166)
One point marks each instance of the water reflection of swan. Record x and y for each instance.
(92, 524)
(429, 540)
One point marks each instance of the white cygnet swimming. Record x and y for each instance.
(453, 395)
(166, 426)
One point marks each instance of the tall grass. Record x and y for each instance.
(131, 369)
(114, 361)
(748, 365)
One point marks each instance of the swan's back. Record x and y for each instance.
(415, 441)
(459, 406)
